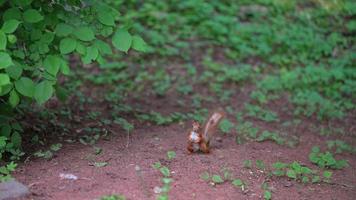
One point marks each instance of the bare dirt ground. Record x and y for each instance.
(149, 144)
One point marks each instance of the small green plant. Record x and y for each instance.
(260, 164)
(247, 164)
(326, 160)
(260, 113)
(48, 154)
(300, 173)
(166, 180)
(226, 126)
(5, 171)
(205, 176)
(238, 183)
(267, 194)
(267, 135)
(217, 179)
(340, 146)
(113, 197)
(171, 155)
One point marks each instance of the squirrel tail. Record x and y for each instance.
(211, 125)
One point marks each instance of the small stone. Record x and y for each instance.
(288, 184)
(157, 190)
(219, 139)
(12, 189)
(68, 176)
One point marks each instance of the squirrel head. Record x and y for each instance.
(196, 126)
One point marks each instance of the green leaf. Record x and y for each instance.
(217, 179)
(165, 171)
(67, 45)
(14, 98)
(106, 18)
(5, 60)
(61, 93)
(4, 79)
(47, 38)
(100, 164)
(167, 180)
(63, 30)
(16, 139)
(64, 67)
(306, 170)
(84, 33)
(267, 195)
(103, 47)
(12, 13)
(315, 149)
(32, 16)
(205, 176)
(291, 174)
(91, 54)
(12, 39)
(156, 165)
(43, 92)
(278, 172)
(10, 26)
(139, 44)
(3, 40)
(237, 182)
(2, 141)
(56, 147)
(14, 71)
(225, 126)
(327, 174)
(305, 179)
(316, 179)
(5, 89)
(279, 165)
(122, 40)
(25, 86)
(52, 64)
(171, 155)
(22, 3)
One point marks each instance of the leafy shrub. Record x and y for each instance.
(35, 40)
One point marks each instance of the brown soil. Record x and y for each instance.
(150, 144)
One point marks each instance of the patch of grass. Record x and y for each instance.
(260, 113)
(340, 146)
(300, 173)
(48, 154)
(326, 159)
(5, 171)
(226, 126)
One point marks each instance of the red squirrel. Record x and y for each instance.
(199, 137)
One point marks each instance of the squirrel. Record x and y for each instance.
(199, 137)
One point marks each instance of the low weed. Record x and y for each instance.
(113, 197)
(48, 154)
(6, 170)
(326, 159)
(224, 176)
(339, 146)
(299, 173)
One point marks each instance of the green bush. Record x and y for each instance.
(36, 38)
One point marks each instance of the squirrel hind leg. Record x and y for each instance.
(204, 147)
(190, 147)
